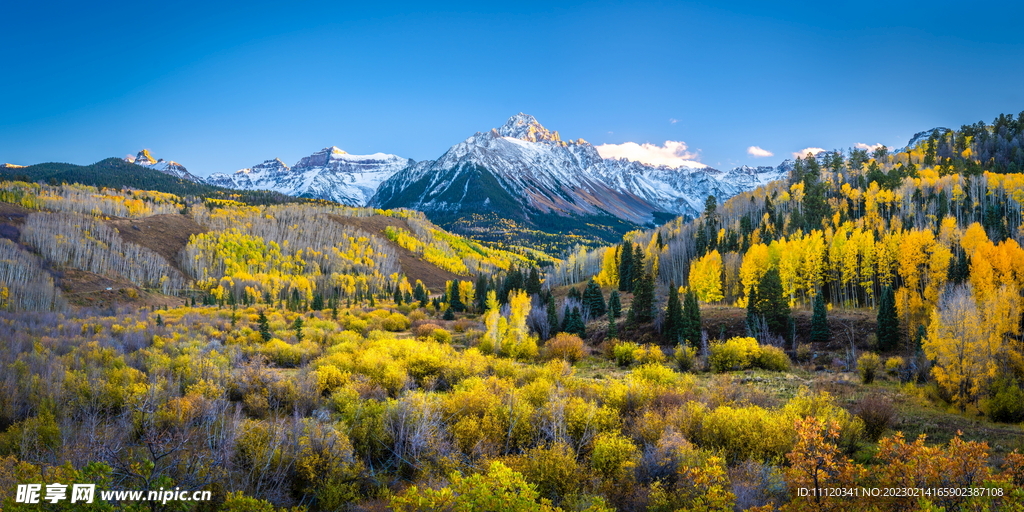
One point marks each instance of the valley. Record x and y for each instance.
(521, 324)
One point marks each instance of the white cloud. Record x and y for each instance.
(757, 152)
(803, 152)
(672, 154)
(869, 148)
(673, 120)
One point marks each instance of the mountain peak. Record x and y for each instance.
(526, 127)
(144, 158)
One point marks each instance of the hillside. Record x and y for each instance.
(116, 173)
(85, 240)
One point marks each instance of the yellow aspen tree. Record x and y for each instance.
(609, 275)
(706, 277)
(493, 334)
(755, 265)
(517, 341)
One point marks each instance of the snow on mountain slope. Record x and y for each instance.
(329, 174)
(542, 173)
(167, 167)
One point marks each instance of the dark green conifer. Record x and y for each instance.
(533, 282)
(673, 315)
(575, 324)
(552, 312)
(768, 302)
(626, 267)
(421, 294)
(819, 321)
(593, 300)
(614, 304)
(642, 309)
(639, 272)
(888, 327)
(454, 301)
(297, 326)
(264, 326)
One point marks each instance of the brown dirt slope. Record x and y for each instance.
(165, 234)
(414, 267)
(83, 288)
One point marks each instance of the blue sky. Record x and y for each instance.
(221, 87)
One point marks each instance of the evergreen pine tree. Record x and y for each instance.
(639, 272)
(318, 302)
(774, 305)
(297, 325)
(888, 330)
(613, 330)
(768, 302)
(159, 320)
(575, 323)
(533, 282)
(420, 293)
(449, 314)
(264, 326)
(593, 300)
(691, 328)
(481, 293)
(574, 293)
(673, 315)
(454, 301)
(397, 297)
(642, 309)
(626, 267)
(614, 305)
(819, 321)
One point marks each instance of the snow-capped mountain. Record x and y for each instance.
(523, 169)
(165, 166)
(327, 174)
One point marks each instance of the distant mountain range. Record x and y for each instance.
(521, 173)
(327, 174)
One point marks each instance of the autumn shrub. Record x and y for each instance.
(1005, 402)
(747, 432)
(326, 466)
(553, 469)
(868, 365)
(773, 359)
(733, 354)
(894, 365)
(699, 482)
(744, 353)
(462, 325)
(624, 352)
(822, 405)
(568, 347)
(614, 457)
(649, 353)
(877, 413)
(423, 330)
(498, 489)
(804, 351)
(685, 357)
